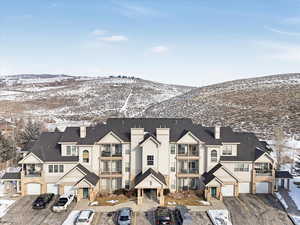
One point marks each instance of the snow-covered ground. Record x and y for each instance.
(219, 217)
(4, 206)
(295, 192)
(71, 218)
(296, 219)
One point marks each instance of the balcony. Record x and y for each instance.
(32, 170)
(264, 173)
(106, 154)
(189, 171)
(111, 173)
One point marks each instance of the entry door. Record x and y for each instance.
(213, 191)
(282, 183)
(85, 193)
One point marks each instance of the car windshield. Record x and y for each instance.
(124, 218)
(82, 220)
(62, 200)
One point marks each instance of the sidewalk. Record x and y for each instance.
(146, 206)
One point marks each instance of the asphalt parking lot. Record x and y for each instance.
(21, 213)
(147, 218)
(256, 210)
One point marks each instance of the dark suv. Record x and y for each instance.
(163, 215)
(42, 201)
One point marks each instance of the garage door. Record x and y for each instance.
(244, 187)
(33, 189)
(228, 190)
(52, 188)
(262, 187)
(68, 189)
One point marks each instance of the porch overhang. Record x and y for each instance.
(150, 179)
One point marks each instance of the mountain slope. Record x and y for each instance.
(257, 104)
(56, 97)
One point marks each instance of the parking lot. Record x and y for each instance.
(21, 213)
(256, 209)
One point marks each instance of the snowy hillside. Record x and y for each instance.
(256, 105)
(59, 97)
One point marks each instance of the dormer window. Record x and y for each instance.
(71, 150)
(227, 150)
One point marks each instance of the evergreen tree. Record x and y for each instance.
(31, 132)
(6, 149)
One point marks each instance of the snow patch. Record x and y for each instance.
(219, 217)
(4, 206)
(281, 199)
(71, 218)
(295, 191)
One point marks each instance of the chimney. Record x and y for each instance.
(218, 131)
(82, 132)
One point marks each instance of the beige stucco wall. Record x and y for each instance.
(150, 148)
(163, 154)
(137, 135)
(240, 175)
(210, 164)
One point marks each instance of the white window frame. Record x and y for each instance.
(227, 150)
(150, 162)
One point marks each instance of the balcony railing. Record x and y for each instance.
(32, 174)
(189, 171)
(107, 172)
(111, 154)
(263, 172)
(190, 153)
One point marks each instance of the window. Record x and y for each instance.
(85, 156)
(213, 156)
(182, 149)
(74, 150)
(118, 149)
(68, 150)
(150, 160)
(61, 168)
(50, 168)
(173, 148)
(173, 167)
(55, 168)
(241, 167)
(127, 167)
(227, 150)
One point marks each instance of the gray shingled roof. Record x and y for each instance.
(283, 174)
(11, 176)
(48, 149)
(141, 176)
(90, 176)
(209, 176)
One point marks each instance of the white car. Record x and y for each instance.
(63, 202)
(124, 217)
(85, 217)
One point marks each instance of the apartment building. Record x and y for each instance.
(149, 155)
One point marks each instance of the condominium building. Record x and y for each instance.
(148, 154)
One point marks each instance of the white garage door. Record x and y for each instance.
(262, 187)
(52, 188)
(68, 189)
(244, 187)
(33, 189)
(228, 190)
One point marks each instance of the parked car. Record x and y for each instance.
(85, 217)
(182, 217)
(63, 202)
(125, 216)
(163, 215)
(42, 200)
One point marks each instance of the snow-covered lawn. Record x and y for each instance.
(219, 217)
(295, 192)
(281, 199)
(4, 205)
(296, 219)
(71, 218)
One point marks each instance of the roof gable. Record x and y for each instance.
(188, 137)
(109, 138)
(150, 138)
(30, 158)
(150, 172)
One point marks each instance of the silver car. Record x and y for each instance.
(125, 216)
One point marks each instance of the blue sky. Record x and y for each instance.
(192, 42)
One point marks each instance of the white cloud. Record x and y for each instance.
(159, 49)
(280, 51)
(114, 38)
(282, 32)
(99, 32)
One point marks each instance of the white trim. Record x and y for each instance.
(109, 133)
(193, 136)
(152, 139)
(22, 160)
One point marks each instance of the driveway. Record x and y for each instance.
(21, 213)
(256, 210)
